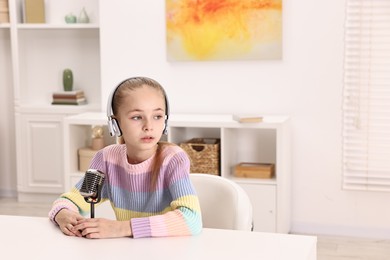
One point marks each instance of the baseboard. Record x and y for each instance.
(345, 231)
(8, 193)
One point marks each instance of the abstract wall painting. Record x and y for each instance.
(207, 30)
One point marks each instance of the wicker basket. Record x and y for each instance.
(204, 154)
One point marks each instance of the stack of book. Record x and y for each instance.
(75, 97)
(4, 14)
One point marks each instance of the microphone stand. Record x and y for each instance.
(94, 200)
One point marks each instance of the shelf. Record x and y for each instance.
(45, 26)
(200, 120)
(56, 109)
(271, 181)
(5, 25)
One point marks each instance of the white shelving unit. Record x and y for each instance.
(265, 142)
(268, 141)
(40, 52)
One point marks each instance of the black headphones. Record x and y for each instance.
(113, 125)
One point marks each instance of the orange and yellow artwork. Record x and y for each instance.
(201, 30)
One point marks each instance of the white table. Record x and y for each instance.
(38, 238)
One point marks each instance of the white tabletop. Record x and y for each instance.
(38, 238)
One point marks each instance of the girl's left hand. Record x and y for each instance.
(103, 228)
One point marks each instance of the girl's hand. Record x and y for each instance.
(67, 219)
(103, 228)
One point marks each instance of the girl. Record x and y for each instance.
(146, 181)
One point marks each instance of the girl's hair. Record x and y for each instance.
(132, 84)
(120, 93)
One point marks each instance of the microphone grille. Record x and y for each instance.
(92, 180)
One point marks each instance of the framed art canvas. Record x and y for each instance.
(201, 30)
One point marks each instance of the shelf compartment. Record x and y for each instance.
(55, 11)
(248, 145)
(43, 55)
(80, 137)
(179, 135)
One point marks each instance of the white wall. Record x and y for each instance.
(306, 84)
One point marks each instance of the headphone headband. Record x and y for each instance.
(113, 125)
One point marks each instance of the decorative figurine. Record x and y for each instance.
(97, 138)
(83, 17)
(67, 79)
(70, 18)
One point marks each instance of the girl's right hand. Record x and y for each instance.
(67, 219)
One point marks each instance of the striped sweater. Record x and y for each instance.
(171, 209)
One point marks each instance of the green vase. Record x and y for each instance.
(67, 79)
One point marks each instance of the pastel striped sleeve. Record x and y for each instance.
(185, 217)
(59, 204)
(71, 200)
(180, 222)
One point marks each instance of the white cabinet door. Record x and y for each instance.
(263, 198)
(40, 154)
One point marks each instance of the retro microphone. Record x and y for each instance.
(92, 187)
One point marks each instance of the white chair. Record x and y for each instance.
(224, 204)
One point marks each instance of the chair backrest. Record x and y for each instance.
(224, 204)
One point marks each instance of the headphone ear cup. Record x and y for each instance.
(111, 127)
(115, 127)
(165, 131)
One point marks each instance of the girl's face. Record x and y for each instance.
(141, 118)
